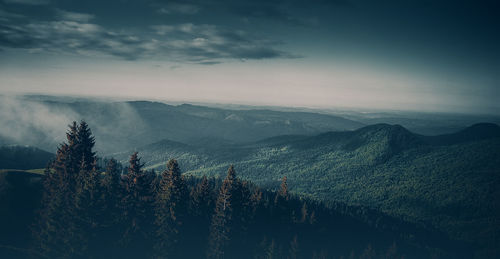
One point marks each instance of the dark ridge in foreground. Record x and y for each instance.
(23, 157)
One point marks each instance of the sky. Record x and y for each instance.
(382, 54)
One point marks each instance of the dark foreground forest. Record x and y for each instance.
(86, 207)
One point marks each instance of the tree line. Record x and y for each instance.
(92, 212)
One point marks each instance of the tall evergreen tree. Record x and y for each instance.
(58, 233)
(282, 215)
(86, 192)
(85, 147)
(110, 186)
(227, 219)
(201, 199)
(201, 209)
(86, 208)
(282, 208)
(171, 209)
(136, 207)
(110, 195)
(51, 233)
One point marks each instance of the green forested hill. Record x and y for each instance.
(451, 181)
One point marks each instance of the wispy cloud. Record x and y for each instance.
(76, 33)
(69, 36)
(210, 44)
(73, 16)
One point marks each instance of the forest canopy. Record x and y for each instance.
(92, 211)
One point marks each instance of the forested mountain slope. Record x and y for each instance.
(76, 209)
(449, 181)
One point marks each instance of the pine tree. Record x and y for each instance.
(281, 200)
(58, 234)
(170, 212)
(111, 193)
(282, 215)
(136, 209)
(256, 201)
(243, 216)
(110, 186)
(283, 192)
(201, 209)
(48, 236)
(201, 199)
(258, 212)
(86, 208)
(85, 147)
(86, 193)
(222, 221)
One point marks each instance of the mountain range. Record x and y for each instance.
(450, 182)
(41, 123)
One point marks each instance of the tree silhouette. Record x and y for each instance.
(222, 221)
(66, 190)
(170, 211)
(109, 217)
(201, 209)
(136, 209)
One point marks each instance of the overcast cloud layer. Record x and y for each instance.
(434, 55)
(76, 32)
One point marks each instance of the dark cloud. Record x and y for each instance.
(210, 44)
(279, 11)
(76, 33)
(69, 36)
(194, 31)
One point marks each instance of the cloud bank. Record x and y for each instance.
(78, 33)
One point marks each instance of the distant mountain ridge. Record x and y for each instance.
(189, 123)
(144, 122)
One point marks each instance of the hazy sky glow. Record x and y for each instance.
(418, 55)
